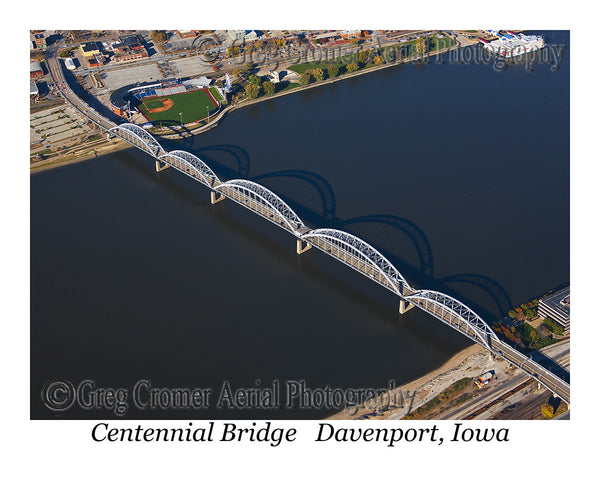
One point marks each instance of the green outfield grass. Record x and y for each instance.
(192, 106)
(215, 93)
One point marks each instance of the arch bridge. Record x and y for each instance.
(343, 247)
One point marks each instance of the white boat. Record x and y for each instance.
(512, 45)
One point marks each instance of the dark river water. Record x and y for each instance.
(458, 173)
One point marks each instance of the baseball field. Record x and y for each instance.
(180, 108)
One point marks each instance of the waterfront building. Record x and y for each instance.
(557, 307)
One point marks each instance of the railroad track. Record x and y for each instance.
(499, 399)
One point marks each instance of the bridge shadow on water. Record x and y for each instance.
(397, 238)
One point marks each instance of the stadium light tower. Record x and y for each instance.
(181, 118)
(207, 115)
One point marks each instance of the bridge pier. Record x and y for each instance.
(214, 198)
(160, 168)
(405, 306)
(300, 248)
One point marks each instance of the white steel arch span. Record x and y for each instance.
(185, 161)
(262, 201)
(138, 137)
(348, 248)
(341, 245)
(448, 308)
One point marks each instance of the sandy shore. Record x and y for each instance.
(468, 362)
(87, 152)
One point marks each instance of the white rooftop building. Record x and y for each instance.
(240, 36)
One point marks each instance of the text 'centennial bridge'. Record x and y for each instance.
(344, 247)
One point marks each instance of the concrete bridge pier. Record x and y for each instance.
(405, 306)
(158, 166)
(302, 246)
(214, 198)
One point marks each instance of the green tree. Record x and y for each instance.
(252, 90)
(352, 67)
(553, 326)
(333, 70)
(255, 80)
(244, 72)
(305, 78)
(268, 87)
(319, 74)
(378, 60)
(363, 56)
(420, 46)
(158, 36)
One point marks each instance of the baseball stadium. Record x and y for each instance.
(169, 103)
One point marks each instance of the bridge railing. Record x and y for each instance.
(191, 166)
(344, 247)
(262, 201)
(353, 259)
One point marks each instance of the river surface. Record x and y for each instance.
(458, 173)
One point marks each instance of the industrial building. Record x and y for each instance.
(90, 49)
(35, 70)
(92, 52)
(130, 47)
(39, 41)
(557, 307)
(33, 90)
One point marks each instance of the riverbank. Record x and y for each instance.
(94, 150)
(87, 152)
(470, 362)
(301, 88)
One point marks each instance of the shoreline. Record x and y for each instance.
(121, 145)
(418, 391)
(300, 88)
(94, 152)
(115, 145)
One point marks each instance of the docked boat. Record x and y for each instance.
(512, 45)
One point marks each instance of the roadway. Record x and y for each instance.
(505, 394)
(358, 257)
(62, 86)
(556, 385)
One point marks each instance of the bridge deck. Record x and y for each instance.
(288, 221)
(262, 209)
(186, 169)
(354, 262)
